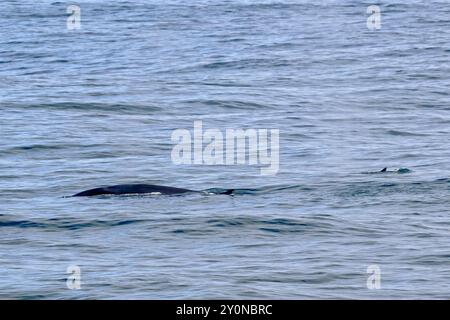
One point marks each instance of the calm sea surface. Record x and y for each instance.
(97, 106)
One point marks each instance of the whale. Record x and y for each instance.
(385, 170)
(401, 170)
(130, 189)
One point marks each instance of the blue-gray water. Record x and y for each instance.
(97, 106)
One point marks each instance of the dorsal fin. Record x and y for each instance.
(228, 192)
(384, 170)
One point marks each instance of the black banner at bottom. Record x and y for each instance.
(223, 309)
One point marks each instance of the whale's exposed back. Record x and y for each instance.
(132, 189)
(385, 170)
(128, 189)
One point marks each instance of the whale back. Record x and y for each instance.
(123, 189)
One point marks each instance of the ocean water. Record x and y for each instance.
(97, 106)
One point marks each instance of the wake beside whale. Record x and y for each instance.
(124, 189)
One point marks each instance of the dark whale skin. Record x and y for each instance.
(132, 189)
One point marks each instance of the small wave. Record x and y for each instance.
(405, 133)
(66, 224)
(65, 146)
(377, 188)
(94, 107)
(229, 104)
(34, 147)
(274, 225)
